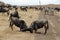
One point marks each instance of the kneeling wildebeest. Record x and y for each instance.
(37, 25)
(19, 23)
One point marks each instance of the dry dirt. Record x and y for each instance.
(7, 34)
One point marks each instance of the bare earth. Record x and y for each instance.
(53, 33)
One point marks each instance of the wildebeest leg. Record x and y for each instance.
(7, 13)
(11, 25)
(35, 28)
(25, 9)
(20, 29)
(45, 12)
(31, 30)
(46, 27)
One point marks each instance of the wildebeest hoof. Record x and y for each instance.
(31, 31)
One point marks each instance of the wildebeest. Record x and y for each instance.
(58, 9)
(14, 14)
(4, 10)
(41, 8)
(36, 8)
(37, 25)
(9, 6)
(14, 6)
(19, 23)
(46, 10)
(23, 8)
(49, 11)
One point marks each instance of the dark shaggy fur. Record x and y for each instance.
(37, 25)
(19, 23)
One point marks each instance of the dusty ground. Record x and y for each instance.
(53, 33)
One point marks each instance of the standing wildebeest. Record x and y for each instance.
(49, 11)
(41, 8)
(4, 10)
(46, 10)
(58, 9)
(14, 14)
(19, 23)
(23, 8)
(37, 25)
(36, 8)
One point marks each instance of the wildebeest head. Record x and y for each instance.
(31, 27)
